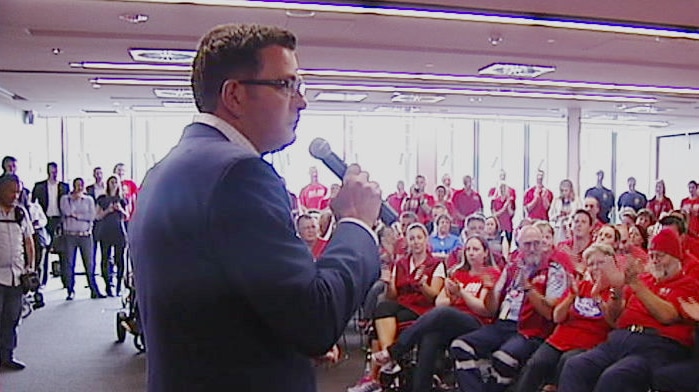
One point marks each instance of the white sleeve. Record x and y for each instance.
(440, 272)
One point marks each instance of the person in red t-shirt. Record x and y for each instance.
(581, 239)
(652, 329)
(537, 199)
(503, 207)
(441, 193)
(395, 199)
(690, 206)
(591, 204)
(325, 203)
(660, 203)
(582, 318)
(312, 195)
(466, 202)
(420, 203)
(307, 228)
(459, 310)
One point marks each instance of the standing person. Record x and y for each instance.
(251, 306)
(313, 194)
(660, 203)
(395, 199)
(538, 199)
(78, 211)
(466, 202)
(562, 209)
(129, 191)
(48, 194)
(690, 206)
(503, 208)
(16, 258)
(632, 198)
(110, 213)
(605, 197)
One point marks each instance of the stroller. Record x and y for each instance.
(128, 319)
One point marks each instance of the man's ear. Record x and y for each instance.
(232, 97)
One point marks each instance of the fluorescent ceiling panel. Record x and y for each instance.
(417, 98)
(329, 96)
(174, 93)
(131, 66)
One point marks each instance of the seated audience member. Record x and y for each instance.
(645, 218)
(459, 309)
(443, 199)
(628, 249)
(638, 237)
(437, 211)
(499, 249)
(307, 227)
(523, 298)
(591, 205)
(443, 242)
(388, 256)
(583, 321)
(652, 330)
(405, 219)
(581, 231)
(416, 281)
(548, 251)
(681, 376)
(628, 216)
(475, 225)
(690, 261)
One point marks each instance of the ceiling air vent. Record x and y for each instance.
(166, 56)
(516, 70)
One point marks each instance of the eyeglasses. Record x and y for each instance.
(290, 86)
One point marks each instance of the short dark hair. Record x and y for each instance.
(231, 49)
(50, 165)
(7, 159)
(674, 220)
(586, 213)
(6, 178)
(692, 183)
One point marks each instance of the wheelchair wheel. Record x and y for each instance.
(120, 330)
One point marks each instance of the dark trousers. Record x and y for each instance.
(107, 269)
(10, 310)
(373, 296)
(74, 242)
(624, 363)
(677, 377)
(543, 368)
(39, 265)
(500, 342)
(433, 332)
(51, 225)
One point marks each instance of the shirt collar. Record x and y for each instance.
(232, 134)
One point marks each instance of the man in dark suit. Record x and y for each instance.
(48, 193)
(230, 297)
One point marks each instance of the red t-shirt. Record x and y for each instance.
(395, 200)
(474, 285)
(635, 313)
(692, 207)
(691, 245)
(312, 196)
(660, 206)
(466, 204)
(505, 219)
(690, 266)
(585, 326)
(539, 211)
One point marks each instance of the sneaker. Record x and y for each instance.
(381, 357)
(390, 368)
(366, 385)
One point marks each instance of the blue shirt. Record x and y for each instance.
(444, 244)
(635, 200)
(606, 201)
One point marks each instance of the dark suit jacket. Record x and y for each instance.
(40, 193)
(229, 296)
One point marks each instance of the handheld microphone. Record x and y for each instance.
(320, 149)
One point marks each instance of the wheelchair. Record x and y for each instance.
(128, 319)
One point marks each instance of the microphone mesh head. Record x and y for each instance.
(320, 148)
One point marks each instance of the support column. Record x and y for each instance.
(573, 164)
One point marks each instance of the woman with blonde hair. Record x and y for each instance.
(562, 209)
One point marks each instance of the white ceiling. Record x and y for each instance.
(90, 30)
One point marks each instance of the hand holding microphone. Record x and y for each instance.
(358, 196)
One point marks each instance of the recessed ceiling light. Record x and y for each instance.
(145, 108)
(300, 13)
(416, 98)
(330, 96)
(134, 18)
(174, 93)
(517, 70)
(167, 56)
